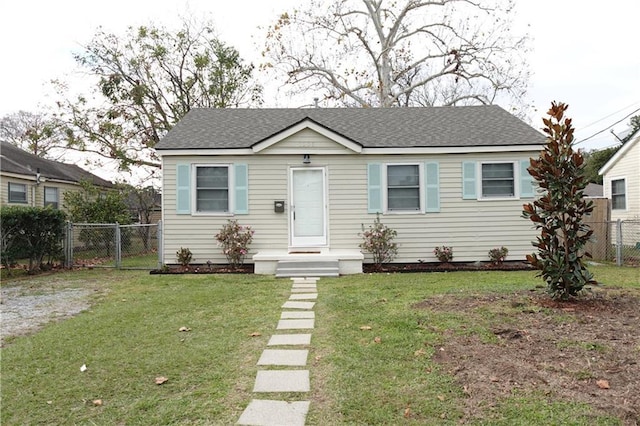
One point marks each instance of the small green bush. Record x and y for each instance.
(498, 255)
(184, 256)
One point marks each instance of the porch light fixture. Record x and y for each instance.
(306, 159)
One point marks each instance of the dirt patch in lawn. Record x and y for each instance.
(585, 351)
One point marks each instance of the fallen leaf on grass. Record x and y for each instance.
(161, 380)
(184, 329)
(603, 384)
(83, 368)
(377, 340)
(365, 327)
(420, 352)
(407, 412)
(97, 402)
(440, 397)
(255, 334)
(494, 379)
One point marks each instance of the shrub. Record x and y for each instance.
(184, 256)
(378, 240)
(498, 255)
(31, 232)
(559, 212)
(443, 253)
(235, 240)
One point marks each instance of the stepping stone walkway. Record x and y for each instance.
(284, 351)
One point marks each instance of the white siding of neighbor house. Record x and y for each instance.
(627, 168)
(471, 227)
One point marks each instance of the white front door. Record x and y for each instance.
(308, 207)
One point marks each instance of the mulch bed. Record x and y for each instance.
(204, 269)
(447, 267)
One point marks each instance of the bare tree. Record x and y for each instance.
(33, 132)
(401, 53)
(146, 81)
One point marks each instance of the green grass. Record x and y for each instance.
(130, 336)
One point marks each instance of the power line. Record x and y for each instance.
(607, 116)
(607, 128)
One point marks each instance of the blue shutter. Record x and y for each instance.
(183, 189)
(241, 189)
(469, 180)
(526, 180)
(374, 180)
(432, 185)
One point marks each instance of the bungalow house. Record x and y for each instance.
(621, 183)
(29, 180)
(308, 180)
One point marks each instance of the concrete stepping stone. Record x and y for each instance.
(304, 296)
(298, 305)
(304, 290)
(304, 286)
(297, 314)
(289, 339)
(304, 279)
(295, 324)
(289, 357)
(282, 381)
(262, 412)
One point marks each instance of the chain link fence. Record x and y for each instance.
(616, 242)
(111, 245)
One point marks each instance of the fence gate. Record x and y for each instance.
(111, 245)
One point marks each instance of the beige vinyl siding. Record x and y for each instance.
(306, 139)
(627, 168)
(35, 193)
(471, 227)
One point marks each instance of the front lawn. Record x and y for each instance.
(382, 351)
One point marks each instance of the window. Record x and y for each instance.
(212, 189)
(17, 193)
(498, 180)
(51, 197)
(403, 187)
(618, 195)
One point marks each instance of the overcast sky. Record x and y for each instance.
(585, 52)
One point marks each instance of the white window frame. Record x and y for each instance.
(516, 182)
(624, 179)
(385, 188)
(230, 192)
(56, 204)
(26, 193)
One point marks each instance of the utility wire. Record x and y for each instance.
(607, 128)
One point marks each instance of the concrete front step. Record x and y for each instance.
(320, 268)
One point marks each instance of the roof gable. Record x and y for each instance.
(628, 146)
(300, 136)
(466, 126)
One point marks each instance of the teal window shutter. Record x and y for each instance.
(241, 189)
(526, 180)
(469, 180)
(374, 189)
(183, 189)
(432, 187)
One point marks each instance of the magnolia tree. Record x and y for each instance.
(558, 213)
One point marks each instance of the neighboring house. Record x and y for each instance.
(621, 182)
(308, 180)
(29, 180)
(593, 190)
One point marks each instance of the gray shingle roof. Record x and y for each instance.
(18, 161)
(486, 125)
